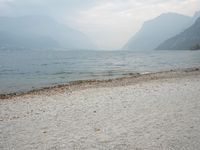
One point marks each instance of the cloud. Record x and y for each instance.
(51, 7)
(109, 22)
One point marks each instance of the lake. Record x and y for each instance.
(32, 69)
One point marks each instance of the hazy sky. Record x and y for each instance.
(110, 23)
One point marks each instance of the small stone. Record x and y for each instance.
(97, 129)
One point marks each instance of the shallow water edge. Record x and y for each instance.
(122, 81)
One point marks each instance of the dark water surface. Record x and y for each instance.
(26, 70)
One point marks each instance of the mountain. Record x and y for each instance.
(196, 15)
(189, 39)
(157, 30)
(40, 32)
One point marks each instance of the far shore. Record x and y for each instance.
(84, 84)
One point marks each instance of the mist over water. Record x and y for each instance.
(27, 70)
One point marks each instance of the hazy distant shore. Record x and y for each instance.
(152, 111)
(84, 84)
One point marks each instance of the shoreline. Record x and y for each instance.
(153, 111)
(122, 81)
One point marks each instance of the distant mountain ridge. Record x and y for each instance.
(40, 32)
(156, 31)
(189, 39)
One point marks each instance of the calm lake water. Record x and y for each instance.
(26, 70)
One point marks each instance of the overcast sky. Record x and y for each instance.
(110, 23)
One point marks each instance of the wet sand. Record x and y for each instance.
(144, 112)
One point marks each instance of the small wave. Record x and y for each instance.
(44, 64)
(7, 70)
(62, 73)
(121, 65)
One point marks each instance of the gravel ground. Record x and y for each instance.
(159, 114)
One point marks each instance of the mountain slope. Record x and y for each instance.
(158, 30)
(40, 32)
(185, 40)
